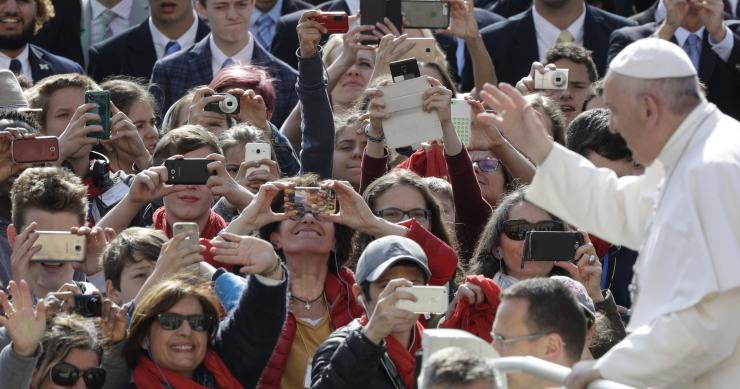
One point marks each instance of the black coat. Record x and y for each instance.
(348, 359)
(61, 34)
(722, 79)
(513, 43)
(130, 53)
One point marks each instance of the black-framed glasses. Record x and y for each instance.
(65, 374)
(487, 165)
(395, 215)
(171, 321)
(517, 229)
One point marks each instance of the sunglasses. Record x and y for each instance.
(65, 374)
(487, 165)
(517, 229)
(170, 321)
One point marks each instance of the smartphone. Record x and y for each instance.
(188, 171)
(87, 305)
(335, 22)
(310, 199)
(551, 245)
(460, 113)
(374, 11)
(429, 299)
(426, 14)
(257, 152)
(405, 69)
(423, 50)
(188, 228)
(39, 149)
(60, 246)
(101, 98)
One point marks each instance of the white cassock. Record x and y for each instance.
(683, 215)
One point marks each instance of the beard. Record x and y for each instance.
(15, 42)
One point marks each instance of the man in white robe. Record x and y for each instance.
(682, 215)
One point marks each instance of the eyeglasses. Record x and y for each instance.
(170, 321)
(487, 165)
(65, 374)
(517, 229)
(395, 215)
(506, 342)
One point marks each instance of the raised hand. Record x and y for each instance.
(309, 33)
(437, 98)
(471, 293)
(526, 84)
(482, 137)
(222, 184)
(386, 316)
(74, 141)
(126, 140)
(98, 239)
(197, 113)
(23, 251)
(114, 321)
(257, 173)
(151, 184)
(8, 168)
(254, 255)
(253, 110)
(391, 48)
(259, 212)
(517, 121)
(462, 20)
(712, 14)
(586, 269)
(24, 323)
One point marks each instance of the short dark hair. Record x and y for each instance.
(125, 91)
(575, 53)
(589, 132)
(185, 139)
(132, 245)
(50, 189)
(454, 366)
(552, 308)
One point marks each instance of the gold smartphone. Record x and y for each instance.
(60, 246)
(189, 228)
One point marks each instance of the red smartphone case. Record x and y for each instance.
(39, 149)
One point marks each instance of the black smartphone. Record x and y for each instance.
(88, 305)
(551, 245)
(426, 14)
(188, 171)
(405, 69)
(374, 11)
(101, 98)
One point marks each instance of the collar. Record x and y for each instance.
(354, 6)
(23, 57)
(274, 13)
(677, 143)
(185, 40)
(244, 56)
(550, 33)
(122, 9)
(683, 34)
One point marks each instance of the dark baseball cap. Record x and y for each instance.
(384, 252)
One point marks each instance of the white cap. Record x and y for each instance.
(652, 58)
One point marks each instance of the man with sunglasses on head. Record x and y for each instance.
(539, 317)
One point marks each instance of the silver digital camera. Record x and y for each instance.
(551, 79)
(229, 105)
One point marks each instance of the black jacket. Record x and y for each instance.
(130, 53)
(348, 359)
(513, 43)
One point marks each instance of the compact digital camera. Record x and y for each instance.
(551, 79)
(229, 105)
(335, 22)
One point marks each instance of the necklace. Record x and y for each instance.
(308, 304)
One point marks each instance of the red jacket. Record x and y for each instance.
(343, 309)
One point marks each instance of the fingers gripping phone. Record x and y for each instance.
(375, 11)
(39, 149)
(257, 152)
(101, 98)
(60, 246)
(551, 245)
(426, 13)
(429, 299)
(188, 228)
(188, 171)
(310, 199)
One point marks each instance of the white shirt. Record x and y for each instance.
(682, 216)
(548, 33)
(185, 40)
(25, 65)
(243, 57)
(723, 49)
(118, 23)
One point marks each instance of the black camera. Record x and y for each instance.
(88, 305)
(230, 105)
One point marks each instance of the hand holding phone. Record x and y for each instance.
(334, 22)
(101, 99)
(187, 171)
(254, 152)
(60, 246)
(189, 229)
(429, 299)
(34, 150)
(551, 245)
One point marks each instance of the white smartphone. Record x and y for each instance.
(257, 152)
(460, 113)
(423, 50)
(60, 246)
(429, 299)
(189, 228)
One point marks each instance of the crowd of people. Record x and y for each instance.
(120, 270)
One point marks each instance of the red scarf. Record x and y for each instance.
(404, 359)
(148, 375)
(476, 319)
(214, 225)
(427, 162)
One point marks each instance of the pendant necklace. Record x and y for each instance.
(308, 304)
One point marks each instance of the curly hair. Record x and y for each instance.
(38, 95)
(50, 189)
(44, 13)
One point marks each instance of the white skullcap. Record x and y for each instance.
(652, 58)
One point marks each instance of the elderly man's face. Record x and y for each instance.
(626, 118)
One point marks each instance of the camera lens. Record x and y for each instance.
(228, 104)
(78, 248)
(559, 79)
